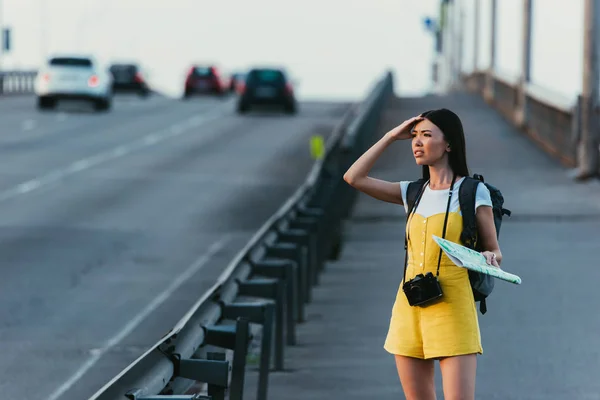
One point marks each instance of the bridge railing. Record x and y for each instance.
(16, 82)
(550, 119)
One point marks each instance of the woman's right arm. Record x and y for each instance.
(358, 177)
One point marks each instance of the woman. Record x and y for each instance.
(445, 328)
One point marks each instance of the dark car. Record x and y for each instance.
(129, 78)
(204, 80)
(267, 87)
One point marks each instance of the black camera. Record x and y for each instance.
(422, 289)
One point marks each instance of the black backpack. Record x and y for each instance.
(482, 284)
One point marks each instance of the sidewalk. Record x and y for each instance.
(540, 339)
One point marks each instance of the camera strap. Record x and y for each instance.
(445, 222)
(409, 219)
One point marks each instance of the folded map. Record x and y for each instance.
(464, 257)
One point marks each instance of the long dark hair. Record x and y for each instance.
(451, 126)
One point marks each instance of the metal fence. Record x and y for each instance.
(16, 82)
(549, 119)
(269, 283)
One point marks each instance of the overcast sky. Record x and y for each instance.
(335, 48)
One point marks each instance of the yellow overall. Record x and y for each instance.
(449, 325)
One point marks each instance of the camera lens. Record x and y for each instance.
(415, 291)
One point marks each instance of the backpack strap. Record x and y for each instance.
(466, 199)
(482, 306)
(412, 191)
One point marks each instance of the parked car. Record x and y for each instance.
(205, 80)
(267, 87)
(73, 77)
(129, 78)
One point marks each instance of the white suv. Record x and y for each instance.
(73, 77)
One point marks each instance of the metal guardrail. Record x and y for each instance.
(16, 82)
(269, 283)
(549, 119)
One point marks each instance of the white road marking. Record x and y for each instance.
(117, 152)
(96, 354)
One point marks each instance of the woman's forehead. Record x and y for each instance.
(426, 125)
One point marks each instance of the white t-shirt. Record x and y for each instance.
(435, 201)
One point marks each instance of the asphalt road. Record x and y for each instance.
(113, 224)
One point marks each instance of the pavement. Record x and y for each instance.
(113, 224)
(541, 339)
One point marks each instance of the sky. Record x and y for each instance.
(333, 48)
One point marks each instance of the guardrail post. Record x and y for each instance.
(303, 238)
(319, 212)
(329, 214)
(330, 211)
(258, 313)
(292, 252)
(236, 338)
(240, 353)
(269, 289)
(284, 270)
(216, 391)
(311, 225)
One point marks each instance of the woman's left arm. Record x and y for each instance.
(487, 235)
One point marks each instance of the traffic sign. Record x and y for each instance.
(430, 24)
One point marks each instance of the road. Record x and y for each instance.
(113, 224)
